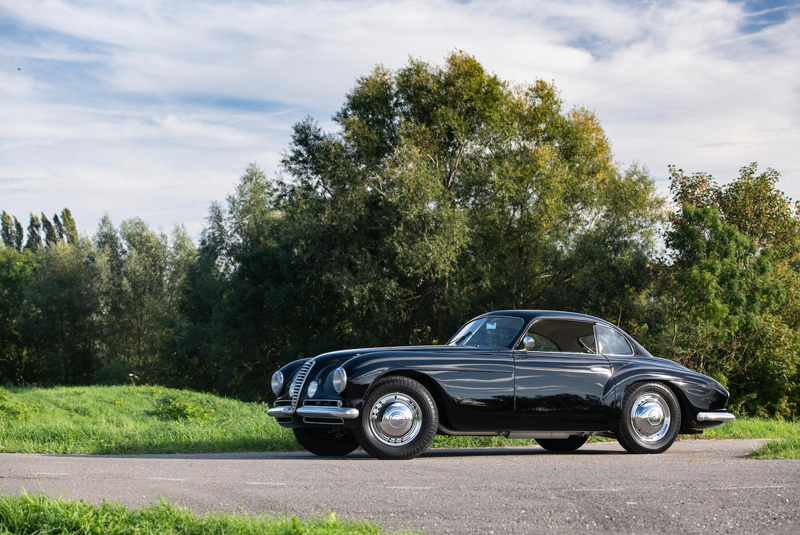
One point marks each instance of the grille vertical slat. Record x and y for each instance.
(299, 381)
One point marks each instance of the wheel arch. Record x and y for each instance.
(436, 391)
(683, 402)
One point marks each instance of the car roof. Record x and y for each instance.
(528, 315)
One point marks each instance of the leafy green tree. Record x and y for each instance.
(34, 242)
(19, 235)
(60, 232)
(70, 228)
(8, 230)
(59, 324)
(729, 300)
(16, 273)
(448, 192)
(50, 236)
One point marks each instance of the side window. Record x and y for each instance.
(611, 342)
(553, 336)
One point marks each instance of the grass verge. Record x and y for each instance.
(134, 419)
(145, 419)
(38, 513)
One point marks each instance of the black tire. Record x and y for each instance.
(399, 420)
(651, 418)
(326, 442)
(562, 444)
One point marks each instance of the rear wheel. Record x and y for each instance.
(399, 420)
(562, 444)
(326, 442)
(651, 418)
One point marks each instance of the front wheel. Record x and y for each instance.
(399, 420)
(562, 444)
(651, 418)
(326, 442)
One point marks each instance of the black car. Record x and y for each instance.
(556, 377)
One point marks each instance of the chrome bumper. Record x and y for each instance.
(715, 417)
(343, 413)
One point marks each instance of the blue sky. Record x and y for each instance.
(154, 108)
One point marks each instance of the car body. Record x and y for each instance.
(557, 377)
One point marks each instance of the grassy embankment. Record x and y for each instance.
(127, 419)
(37, 513)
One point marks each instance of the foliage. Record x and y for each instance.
(727, 303)
(184, 407)
(38, 513)
(442, 192)
(11, 408)
(126, 420)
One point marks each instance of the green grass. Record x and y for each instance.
(128, 419)
(39, 514)
(784, 436)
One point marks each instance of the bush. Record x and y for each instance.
(183, 407)
(13, 409)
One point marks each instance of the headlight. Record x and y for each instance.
(312, 389)
(339, 380)
(277, 382)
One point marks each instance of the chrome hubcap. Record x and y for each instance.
(650, 417)
(395, 419)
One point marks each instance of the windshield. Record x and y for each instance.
(491, 331)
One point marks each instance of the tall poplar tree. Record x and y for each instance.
(34, 242)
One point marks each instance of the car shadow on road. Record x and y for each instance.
(357, 455)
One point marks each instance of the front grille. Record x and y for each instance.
(299, 381)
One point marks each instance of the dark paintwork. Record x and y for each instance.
(475, 387)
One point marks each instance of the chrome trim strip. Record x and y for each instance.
(280, 412)
(300, 381)
(312, 411)
(715, 417)
(513, 434)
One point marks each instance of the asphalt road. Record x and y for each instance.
(701, 486)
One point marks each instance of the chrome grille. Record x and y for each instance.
(299, 381)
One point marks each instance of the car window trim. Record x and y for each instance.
(559, 318)
(619, 332)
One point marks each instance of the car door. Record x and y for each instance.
(560, 382)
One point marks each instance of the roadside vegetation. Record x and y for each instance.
(133, 419)
(38, 513)
(152, 419)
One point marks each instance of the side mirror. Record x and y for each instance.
(528, 343)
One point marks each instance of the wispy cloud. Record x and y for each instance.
(154, 108)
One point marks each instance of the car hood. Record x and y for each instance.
(342, 356)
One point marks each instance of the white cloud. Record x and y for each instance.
(154, 108)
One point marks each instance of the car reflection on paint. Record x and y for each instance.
(557, 377)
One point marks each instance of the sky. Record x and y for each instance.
(154, 108)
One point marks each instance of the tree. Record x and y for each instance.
(34, 242)
(60, 232)
(19, 235)
(448, 192)
(8, 230)
(59, 324)
(50, 236)
(16, 273)
(730, 295)
(70, 228)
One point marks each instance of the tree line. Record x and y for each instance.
(444, 192)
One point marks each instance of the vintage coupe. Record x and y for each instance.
(556, 377)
